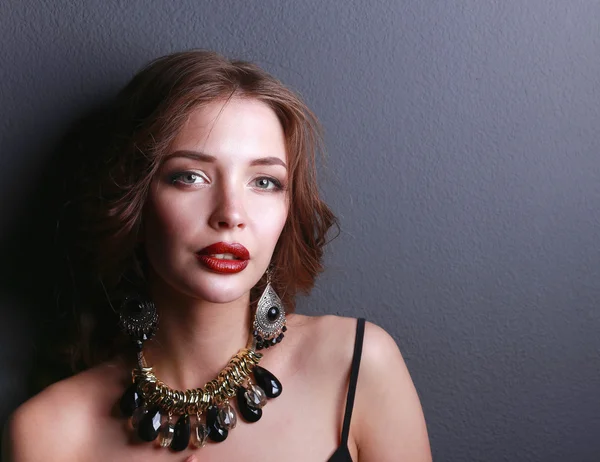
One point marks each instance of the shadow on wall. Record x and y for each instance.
(36, 277)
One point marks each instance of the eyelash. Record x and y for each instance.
(176, 178)
(277, 184)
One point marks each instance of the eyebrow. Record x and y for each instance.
(203, 157)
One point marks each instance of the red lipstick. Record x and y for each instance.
(224, 258)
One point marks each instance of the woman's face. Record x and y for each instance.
(218, 203)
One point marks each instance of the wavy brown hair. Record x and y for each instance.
(121, 160)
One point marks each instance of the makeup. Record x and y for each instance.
(224, 258)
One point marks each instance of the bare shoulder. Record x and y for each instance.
(334, 337)
(64, 412)
(327, 341)
(384, 389)
(321, 327)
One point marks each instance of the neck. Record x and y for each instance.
(195, 338)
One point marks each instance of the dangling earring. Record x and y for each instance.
(269, 319)
(138, 318)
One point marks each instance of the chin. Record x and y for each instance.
(201, 284)
(215, 295)
(215, 288)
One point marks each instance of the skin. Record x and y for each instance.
(204, 320)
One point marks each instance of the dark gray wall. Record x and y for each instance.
(463, 141)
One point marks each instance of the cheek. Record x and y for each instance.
(270, 221)
(168, 220)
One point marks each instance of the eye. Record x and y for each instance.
(267, 183)
(188, 178)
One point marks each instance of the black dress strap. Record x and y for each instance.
(358, 344)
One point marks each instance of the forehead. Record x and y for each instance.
(240, 127)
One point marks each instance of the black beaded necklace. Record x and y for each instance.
(178, 418)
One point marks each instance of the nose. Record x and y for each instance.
(228, 210)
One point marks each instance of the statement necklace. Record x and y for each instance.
(178, 418)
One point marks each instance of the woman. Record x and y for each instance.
(200, 213)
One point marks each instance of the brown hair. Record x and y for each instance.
(136, 134)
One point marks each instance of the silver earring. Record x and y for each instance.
(269, 319)
(138, 318)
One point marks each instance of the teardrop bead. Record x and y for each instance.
(137, 416)
(268, 382)
(226, 417)
(255, 396)
(130, 400)
(250, 414)
(166, 432)
(149, 425)
(215, 432)
(181, 437)
(199, 434)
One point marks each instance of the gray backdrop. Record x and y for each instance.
(463, 162)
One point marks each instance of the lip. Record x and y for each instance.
(224, 266)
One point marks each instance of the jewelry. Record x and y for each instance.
(269, 320)
(152, 405)
(138, 318)
(177, 418)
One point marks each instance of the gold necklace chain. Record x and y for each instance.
(193, 401)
